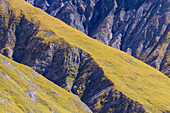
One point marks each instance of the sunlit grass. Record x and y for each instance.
(134, 78)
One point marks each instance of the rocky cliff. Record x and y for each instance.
(106, 79)
(138, 27)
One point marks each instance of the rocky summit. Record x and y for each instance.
(138, 27)
(94, 76)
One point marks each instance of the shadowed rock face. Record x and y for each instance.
(66, 65)
(138, 27)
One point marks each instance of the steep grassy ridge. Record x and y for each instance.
(137, 27)
(24, 90)
(132, 77)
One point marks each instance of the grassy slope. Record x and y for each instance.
(131, 76)
(17, 80)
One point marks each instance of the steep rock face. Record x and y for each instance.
(66, 65)
(134, 26)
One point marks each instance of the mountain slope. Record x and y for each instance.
(106, 79)
(24, 90)
(134, 26)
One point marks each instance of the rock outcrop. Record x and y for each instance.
(138, 27)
